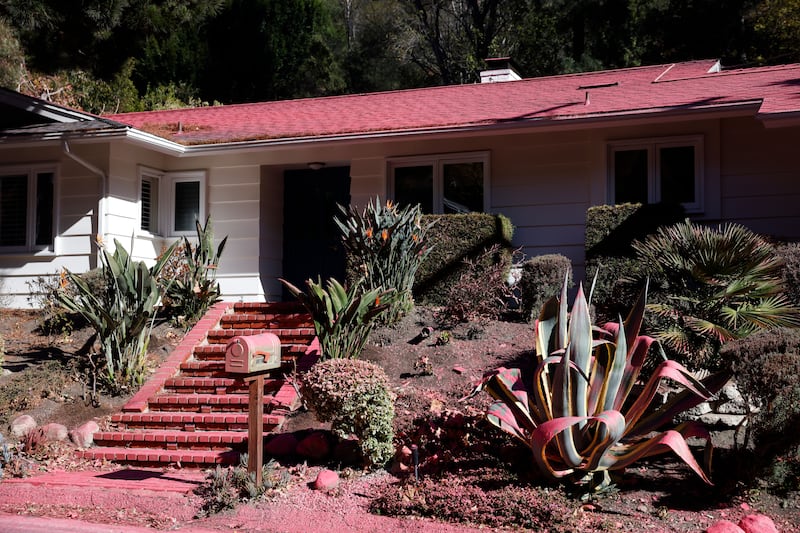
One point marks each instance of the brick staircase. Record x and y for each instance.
(191, 412)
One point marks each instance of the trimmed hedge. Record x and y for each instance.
(541, 279)
(610, 232)
(455, 238)
(790, 254)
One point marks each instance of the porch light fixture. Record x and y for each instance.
(316, 165)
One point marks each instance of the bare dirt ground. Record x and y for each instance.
(471, 477)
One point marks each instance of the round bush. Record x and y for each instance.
(542, 278)
(354, 396)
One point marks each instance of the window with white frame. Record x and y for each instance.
(441, 184)
(171, 202)
(27, 205)
(658, 170)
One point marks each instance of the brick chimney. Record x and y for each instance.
(499, 69)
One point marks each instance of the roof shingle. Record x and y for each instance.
(681, 86)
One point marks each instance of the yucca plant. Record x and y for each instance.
(578, 417)
(122, 315)
(387, 244)
(343, 318)
(712, 286)
(196, 289)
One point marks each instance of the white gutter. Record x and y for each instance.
(101, 205)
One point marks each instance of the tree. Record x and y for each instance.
(12, 60)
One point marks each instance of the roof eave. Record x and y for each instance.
(741, 108)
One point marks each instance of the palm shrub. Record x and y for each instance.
(712, 286)
(578, 416)
(195, 288)
(122, 314)
(343, 318)
(388, 244)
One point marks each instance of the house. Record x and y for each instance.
(541, 151)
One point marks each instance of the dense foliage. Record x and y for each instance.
(126, 55)
(355, 397)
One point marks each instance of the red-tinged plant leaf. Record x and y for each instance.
(542, 436)
(620, 457)
(679, 403)
(501, 416)
(506, 385)
(667, 369)
(611, 427)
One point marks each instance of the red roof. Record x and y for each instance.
(775, 91)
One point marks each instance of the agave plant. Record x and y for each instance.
(122, 315)
(712, 286)
(196, 289)
(343, 318)
(578, 417)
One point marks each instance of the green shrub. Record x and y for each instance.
(711, 286)
(790, 254)
(190, 284)
(343, 318)
(771, 382)
(541, 279)
(481, 292)
(386, 245)
(456, 239)
(355, 397)
(122, 315)
(227, 487)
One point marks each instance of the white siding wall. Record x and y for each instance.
(78, 191)
(234, 206)
(761, 178)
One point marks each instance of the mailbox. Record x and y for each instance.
(253, 353)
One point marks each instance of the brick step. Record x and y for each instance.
(216, 369)
(268, 307)
(206, 403)
(171, 439)
(161, 457)
(195, 421)
(216, 352)
(287, 335)
(207, 385)
(269, 321)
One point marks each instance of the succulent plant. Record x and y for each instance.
(343, 318)
(578, 417)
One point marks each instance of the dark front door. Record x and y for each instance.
(311, 240)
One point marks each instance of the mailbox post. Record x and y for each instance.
(253, 356)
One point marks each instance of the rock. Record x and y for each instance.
(281, 445)
(715, 419)
(314, 446)
(83, 435)
(724, 526)
(326, 480)
(22, 425)
(404, 454)
(55, 432)
(2, 439)
(697, 410)
(757, 523)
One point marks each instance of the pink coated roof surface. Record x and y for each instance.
(773, 91)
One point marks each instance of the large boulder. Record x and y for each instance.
(55, 432)
(22, 425)
(724, 526)
(326, 480)
(83, 435)
(314, 446)
(757, 523)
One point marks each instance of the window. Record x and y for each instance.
(171, 202)
(663, 170)
(441, 184)
(27, 203)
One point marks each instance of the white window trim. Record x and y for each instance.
(32, 171)
(438, 162)
(652, 146)
(166, 199)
